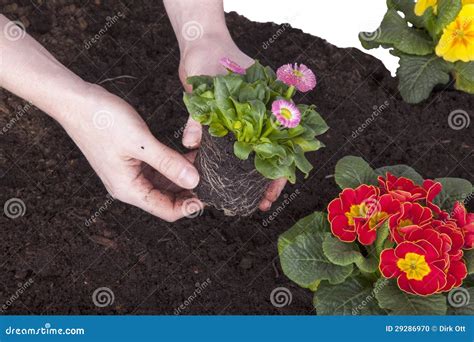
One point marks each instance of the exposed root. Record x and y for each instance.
(116, 78)
(225, 183)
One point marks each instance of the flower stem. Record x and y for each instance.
(290, 92)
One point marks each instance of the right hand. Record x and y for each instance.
(133, 165)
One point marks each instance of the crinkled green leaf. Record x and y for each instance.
(304, 262)
(242, 150)
(464, 75)
(469, 258)
(400, 170)
(353, 171)
(315, 223)
(397, 302)
(418, 75)
(448, 10)
(355, 296)
(341, 253)
(454, 189)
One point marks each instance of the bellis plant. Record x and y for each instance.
(255, 108)
(434, 40)
(404, 242)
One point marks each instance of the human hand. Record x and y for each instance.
(203, 59)
(129, 160)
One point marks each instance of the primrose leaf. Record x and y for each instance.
(407, 7)
(391, 298)
(469, 259)
(418, 76)
(355, 296)
(400, 170)
(395, 32)
(353, 171)
(454, 189)
(448, 10)
(304, 262)
(341, 253)
(315, 223)
(464, 75)
(242, 150)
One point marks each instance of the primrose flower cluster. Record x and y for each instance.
(435, 40)
(425, 244)
(256, 105)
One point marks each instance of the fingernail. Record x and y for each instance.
(191, 137)
(188, 178)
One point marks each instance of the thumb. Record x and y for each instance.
(192, 134)
(170, 164)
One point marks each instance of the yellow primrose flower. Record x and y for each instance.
(422, 5)
(457, 41)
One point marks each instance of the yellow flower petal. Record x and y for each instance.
(457, 41)
(422, 5)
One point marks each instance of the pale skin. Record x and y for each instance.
(133, 165)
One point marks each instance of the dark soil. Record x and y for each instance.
(228, 183)
(153, 266)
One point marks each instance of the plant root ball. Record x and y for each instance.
(228, 183)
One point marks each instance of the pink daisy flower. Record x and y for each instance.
(231, 66)
(300, 76)
(286, 113)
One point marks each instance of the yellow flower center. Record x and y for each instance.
(376, 218)
(414, 265)
(286, 113)
(404, 223)
(297, 73)
(356, 210)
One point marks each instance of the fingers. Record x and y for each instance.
(169, 163)
(192, 134)
(142, 194)
(273, 192)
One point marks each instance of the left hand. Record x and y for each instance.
(203, 59)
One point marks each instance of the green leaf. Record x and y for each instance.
(448, 10)
(353, 171)
(269, 169)
(382, 234)
(227, 86)
(242, 150)
(196, 81)
(401, 170)
(307, 145)
(270, 150)
(461, 301)
(464, 75)
(256, 72)
(395, 32)
(217, 130)
(314, 223)
(341, 253)
(418, 75)
(355, 296)
(368, 265)
(391, 298)
(407, 7)
(302, 163)
(454, 189)
(304, 262)
(469, 258)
